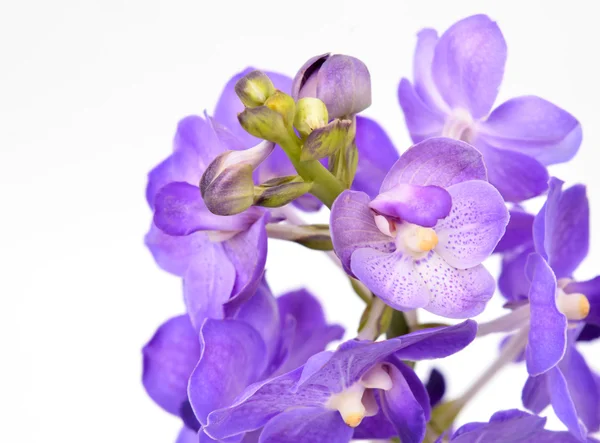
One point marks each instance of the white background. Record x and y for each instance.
(90, 94)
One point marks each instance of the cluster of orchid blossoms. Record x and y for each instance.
(411, 232)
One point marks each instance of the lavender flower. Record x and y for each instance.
(265, 336)
(362, 390)
(456, 81)
(511, 426)
(555, 309)
(421, 241)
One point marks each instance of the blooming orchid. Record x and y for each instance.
(456, 82)
(421, 241)
(411, 232)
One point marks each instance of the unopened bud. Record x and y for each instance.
(342, 82)
(280, 191)
(227, 185)
(254, 89)
(325, 141)
(311, 114)
(263, 122)
(284, 105)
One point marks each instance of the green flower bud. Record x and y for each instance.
(254, 89)
(264, 122)
(325, 141)
(284, 105)
(280, 191)
(311, 113)
(227, 185)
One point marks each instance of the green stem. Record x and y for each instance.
(325, 186)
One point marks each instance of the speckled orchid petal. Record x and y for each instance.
(475, 225)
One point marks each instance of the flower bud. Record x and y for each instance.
(263, 122)
(342, 82)
(280, 191)
(284, 105)
(254, 89)
(227, 185)
(311, 113)
(325, 141)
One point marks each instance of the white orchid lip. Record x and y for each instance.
(351, 401)
(409, 238)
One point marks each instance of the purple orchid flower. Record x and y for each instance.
(541, 256)
(421, 241)
(185, 373)
(362, 390)
(456, 81)
(511, 426)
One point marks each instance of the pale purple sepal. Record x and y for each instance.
(437, 161)
(422, 121)
(516, 175)
(421, 205)
(353, 227)
(548, 326)
(187, 436)
(306, 425)
(535, 394)
(513, 283)
(563, 404)
(376, 153)
(424, 84)
(533, 126)
(519, 231)
(477, 222)
(169, 358)
(468, 64)
(233, 357)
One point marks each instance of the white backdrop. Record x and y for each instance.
(90, 93)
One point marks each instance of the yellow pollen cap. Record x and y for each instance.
(353, 420)
(584, 306)
(428, 239)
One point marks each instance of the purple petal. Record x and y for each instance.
(305, 79)
(519, 231)
(589, 332)
(353, 227)
(455, 293)
(207, 284)
(392, 277)
(377, 426)
(425, 87)
(535, 127)
(476, 224)
(376, 153)
(312, 333)
(233, 357)
(437, 162)
(535, 395)
(422, 121)
(563, 404)
(307, 425)
(513, 282)
(591, 289)
(261, 312)
(468, 64)
(174, 254)
(421, 205)
(354, 358)
(169, 358)
(436, 387)
(582, 387)
(566, 228)
(180, 210)
(504, 426)
(187, 436)
(261, 402)
(437, 342)
(229, 105)
(548, 326)
(403, 410)
(248, 253)
(517, 176)
(418, 390)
